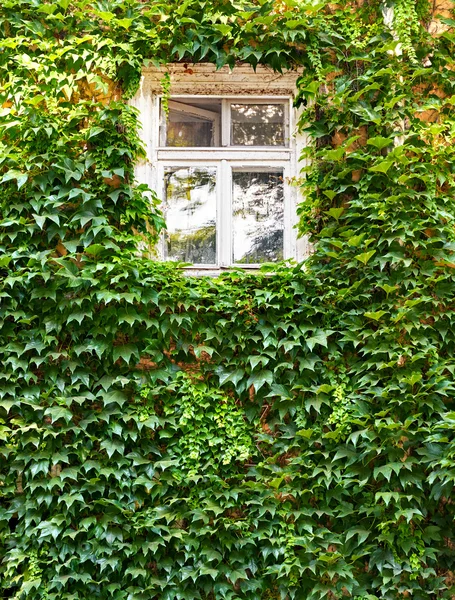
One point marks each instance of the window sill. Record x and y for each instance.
(216, 271)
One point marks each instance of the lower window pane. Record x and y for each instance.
(190, 211)
(258, 210)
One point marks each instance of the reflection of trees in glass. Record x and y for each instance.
(182, 134)
(196, 248)
(264, 249)
(257, 124)
(191, 123)
(190, 209)
(181, 183)
(258, 211)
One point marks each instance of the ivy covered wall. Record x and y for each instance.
(283, 435)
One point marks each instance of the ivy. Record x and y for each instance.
(281, 435)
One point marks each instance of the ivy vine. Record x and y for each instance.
(283, 435)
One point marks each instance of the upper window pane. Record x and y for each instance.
(191, 124)
(257, 125)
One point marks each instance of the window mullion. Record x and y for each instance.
(224, 224)
(225, 122)
(287, 123)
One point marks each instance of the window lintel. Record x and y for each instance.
(204, 78)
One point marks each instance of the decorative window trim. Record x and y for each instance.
(241, 83)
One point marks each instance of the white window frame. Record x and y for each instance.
(242, 85)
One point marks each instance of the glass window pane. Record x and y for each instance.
(184, 133)
(192, 124)
(257, 125)
(190, 212)
(258, 211)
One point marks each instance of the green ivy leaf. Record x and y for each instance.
(59, 412)
(335, 212)
(114, 397)
(379, 142)
(7, 404)
(21, 178)
(388, 288)
(94, 249)
(382, 167)
(362, 534)
(375, 316)
(112, 446)
(365, 256)
(94, 131)
(125, 23)
(318, 337)
(125, 352)
(259, 379)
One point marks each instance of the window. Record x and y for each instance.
(221, 160)
(226, 209)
